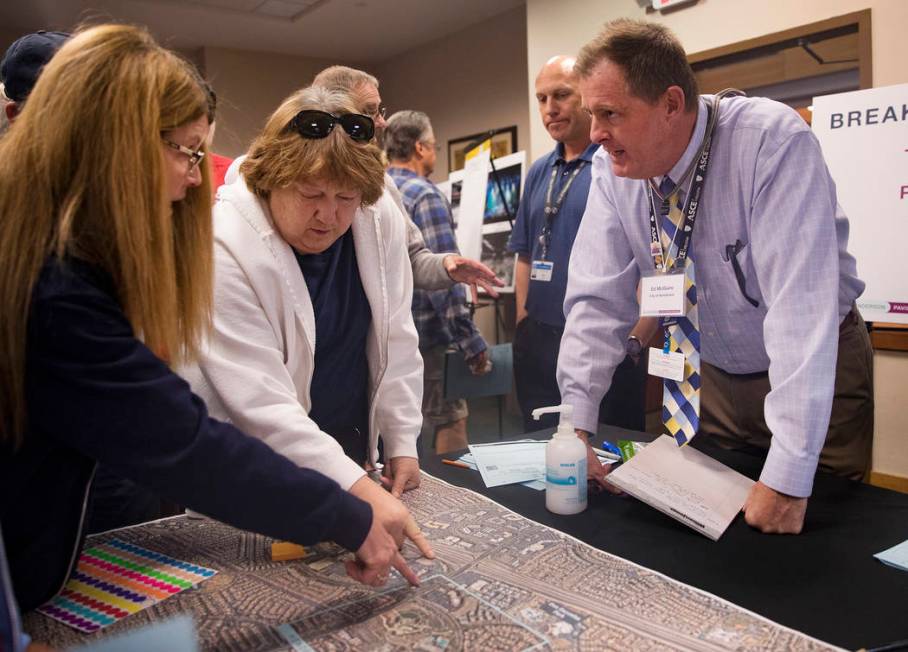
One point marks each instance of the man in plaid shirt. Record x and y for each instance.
(441, 316)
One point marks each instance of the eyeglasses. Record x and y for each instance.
(195, 155)
(318, 124)
(381, 111)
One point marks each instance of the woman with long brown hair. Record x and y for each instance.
(105, 282)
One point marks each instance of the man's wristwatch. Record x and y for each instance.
(634, 346)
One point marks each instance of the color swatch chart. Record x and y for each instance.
(116, 579)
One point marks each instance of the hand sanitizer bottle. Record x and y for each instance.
(565, 465)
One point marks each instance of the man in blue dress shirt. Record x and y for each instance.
(554, 198)
(785, 358)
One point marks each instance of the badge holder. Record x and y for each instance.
(662, 293)
(541, 270)
(664, 363)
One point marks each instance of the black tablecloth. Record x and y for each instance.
(824, 582)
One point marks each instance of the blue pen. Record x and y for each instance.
(611, 448)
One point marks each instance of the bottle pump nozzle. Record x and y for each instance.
(565, 422)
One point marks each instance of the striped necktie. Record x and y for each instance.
(681, 400)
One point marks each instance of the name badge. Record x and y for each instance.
(541, 270)
(666, 365)
(662, 295)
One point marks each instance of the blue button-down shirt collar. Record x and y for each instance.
(696, 139)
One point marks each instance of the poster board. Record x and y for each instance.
(864, 136)
(482, 226)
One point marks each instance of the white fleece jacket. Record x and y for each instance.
(257, 366)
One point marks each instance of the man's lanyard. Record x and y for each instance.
(686, 228)
(552, 208)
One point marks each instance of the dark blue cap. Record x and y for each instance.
(24, 60)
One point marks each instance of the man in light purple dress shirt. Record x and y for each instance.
(785, 358)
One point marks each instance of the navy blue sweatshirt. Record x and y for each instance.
(96, 394)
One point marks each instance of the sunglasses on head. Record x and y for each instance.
(318, 124)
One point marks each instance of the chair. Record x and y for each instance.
(460, 382)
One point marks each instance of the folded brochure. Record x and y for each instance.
(685, 484)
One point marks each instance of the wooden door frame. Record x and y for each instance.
(788, 37)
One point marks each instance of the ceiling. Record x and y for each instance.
(344, 30)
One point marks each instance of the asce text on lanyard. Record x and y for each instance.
(696, 173)
(685, 230)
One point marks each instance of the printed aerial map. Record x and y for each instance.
(500, 582)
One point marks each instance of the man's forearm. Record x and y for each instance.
(521, 285)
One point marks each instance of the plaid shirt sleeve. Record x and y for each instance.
(433, 217)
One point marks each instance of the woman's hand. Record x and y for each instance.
(473, 273)
(392, 515)
(400, 474)
(376, 557)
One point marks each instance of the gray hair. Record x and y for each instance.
(322, 98)
(404, 130)
(343, 79)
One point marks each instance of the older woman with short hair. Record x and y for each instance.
(314, 350)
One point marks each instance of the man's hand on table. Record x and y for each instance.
(772, 512)
(392, 515)
(400, 474)
(595, 470)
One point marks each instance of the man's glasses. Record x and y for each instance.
(318, 124)
(195, 155)
(380, 112)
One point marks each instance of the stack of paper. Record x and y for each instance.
(685, 484)
(511, 462)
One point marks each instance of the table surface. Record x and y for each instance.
(824, 582)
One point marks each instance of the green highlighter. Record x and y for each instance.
(629, 448)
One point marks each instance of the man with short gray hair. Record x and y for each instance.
(412, 132)
(430, 271)
(441, 316)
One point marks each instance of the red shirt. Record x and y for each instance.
(219, 165)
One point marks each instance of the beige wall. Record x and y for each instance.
(563, 26)
(468, 82)
(250, 85)
(7, 37)
(553, 28)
